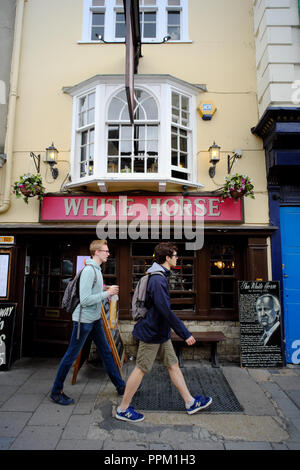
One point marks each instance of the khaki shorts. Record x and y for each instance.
(147, 353)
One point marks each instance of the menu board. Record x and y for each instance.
(7, 326)
(260, 324)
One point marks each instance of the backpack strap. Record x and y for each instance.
(80, 308)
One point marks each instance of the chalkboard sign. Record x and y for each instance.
(7, 326)
(260, 324)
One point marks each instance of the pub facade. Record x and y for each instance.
(137, 183)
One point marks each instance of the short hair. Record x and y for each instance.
(275, 302)
(96, 245)
(164, 249)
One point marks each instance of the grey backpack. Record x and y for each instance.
(71, 298)
(138, 307)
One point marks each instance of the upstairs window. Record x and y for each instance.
(158, 18)
(86, 132)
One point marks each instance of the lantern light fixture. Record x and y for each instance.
(214, 158)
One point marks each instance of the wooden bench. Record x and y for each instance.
(212, 337)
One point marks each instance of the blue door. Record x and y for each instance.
(290, 245)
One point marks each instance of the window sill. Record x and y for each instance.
(183, 41)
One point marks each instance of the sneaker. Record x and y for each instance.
(61, 399)
(129, 415)
(122, 390)
(200, 403)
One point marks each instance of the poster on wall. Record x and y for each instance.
(7, 326)
(4, 274)
(260, 324)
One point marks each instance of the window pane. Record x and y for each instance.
(126, 132)
(139, 165)
(173, 18)
(183, 160)
(125, 147)
(91, 116)
(175, 100)
(152, 132)
(96, 32)
(173, 2)
(112, 165)
(152, 165)
(98, 19)
(174, 158)
(115, 109)
(91, 99)
(174, 32)
(113, 147)
(184, 103)
(120, 25)
(150, 109)
(98, 3)
(125, 165)
(84, 137)
(113, 132)
(152, 147)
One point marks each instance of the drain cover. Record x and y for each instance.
(159, 393)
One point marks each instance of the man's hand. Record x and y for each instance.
(190, 341)
(112, 290)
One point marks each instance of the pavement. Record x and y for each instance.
(29, 420)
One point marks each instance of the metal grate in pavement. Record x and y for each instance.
(159, 393)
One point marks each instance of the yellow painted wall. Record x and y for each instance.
(221, 55)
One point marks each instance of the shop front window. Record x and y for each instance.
(222, 276)
(181, 280)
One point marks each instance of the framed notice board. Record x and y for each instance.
(260, 324)
(5, 270)
(7, 327)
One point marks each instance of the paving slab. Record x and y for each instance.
(12, 422)
(232, 445)
(248, 392)
(38, 438)
(77, 427)
(23, 402)
(79, 444)
(51, 415)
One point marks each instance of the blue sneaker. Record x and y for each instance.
(61, 399)
(129, 415)
(200, 403)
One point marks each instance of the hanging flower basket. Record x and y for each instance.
(29, 186)
(237, 186)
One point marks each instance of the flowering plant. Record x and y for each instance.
(237, 186)
(29, 186)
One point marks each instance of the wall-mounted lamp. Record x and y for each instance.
(2, 159)
(231, 159)
(50, 158)
(214, 158)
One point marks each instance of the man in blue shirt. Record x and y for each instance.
(91, 297)
(154, 332)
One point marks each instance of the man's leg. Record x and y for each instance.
(72, 352)
(99, 338)
(132, 385)
(179, 382)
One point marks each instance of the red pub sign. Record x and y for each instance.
(144, 208)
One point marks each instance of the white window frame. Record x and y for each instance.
(110, 9)
(160, 88)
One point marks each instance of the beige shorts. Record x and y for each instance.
(147, 353)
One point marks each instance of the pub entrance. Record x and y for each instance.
(203, 286)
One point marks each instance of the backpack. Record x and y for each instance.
(138, 306)
(71, 298)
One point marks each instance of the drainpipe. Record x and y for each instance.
(14, 77)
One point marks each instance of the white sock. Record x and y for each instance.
(119, 410)
(188, 405)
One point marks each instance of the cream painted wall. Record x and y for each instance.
(221, 55)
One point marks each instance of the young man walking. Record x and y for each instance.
(90, 322)
(153, 331)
